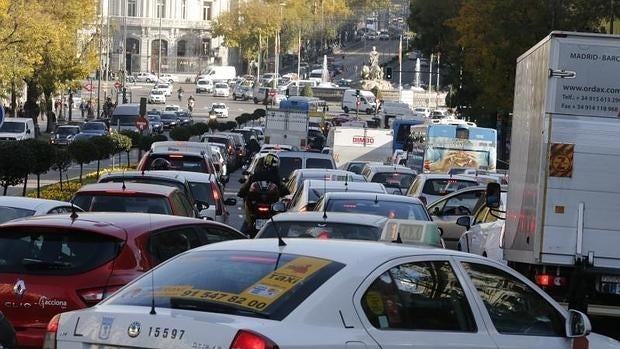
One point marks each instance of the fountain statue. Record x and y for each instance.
(372, 74)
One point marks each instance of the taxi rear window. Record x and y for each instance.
(254, 284)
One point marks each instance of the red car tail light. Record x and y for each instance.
(250, 340)
(50, 334)
(93, 296)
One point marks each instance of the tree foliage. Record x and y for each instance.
(61, 162)
(480, 40)
(12, 167)
(82, 151)
(41, 158)
(104, 146)
(181, 133)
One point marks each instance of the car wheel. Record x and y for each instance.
(346, 110)
(368, 111)
(148, 81)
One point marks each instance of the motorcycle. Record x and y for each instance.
(261, 195)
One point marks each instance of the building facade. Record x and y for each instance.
(161, 36)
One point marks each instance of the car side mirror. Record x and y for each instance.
(278, 207)
(230, 202)
(577, 324)
(241, 180)
(201, 205)
(423, 199)
(207, 213)
(493, 193)
(28, 131)
(436, 212)
(464, 221)
(224, 178)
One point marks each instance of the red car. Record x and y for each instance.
(52, 264)
(134, 197)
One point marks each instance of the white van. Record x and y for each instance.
(17, 129)
(124, 117)
(222, 73)
(367, 101)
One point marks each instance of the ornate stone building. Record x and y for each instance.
(167, 36)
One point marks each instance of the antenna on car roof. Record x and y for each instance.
(123, 179)
(152, 312)
(74, 215)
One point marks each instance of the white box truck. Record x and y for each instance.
(359, 144)
(286, 127)
(562, 227)
(220, 73)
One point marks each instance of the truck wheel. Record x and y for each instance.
(346, 110)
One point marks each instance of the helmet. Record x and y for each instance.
(160, 164)
(271, 160)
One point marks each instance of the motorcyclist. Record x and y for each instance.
(253, 146)
(160, 164)
(266, 170)
(190, 103)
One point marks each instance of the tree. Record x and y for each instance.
(82, 151)
(199, 128)
(104, 146)
(180, 133)
(61, 162)
(12, 168)
(307, 91)
(136, 139)
(41, 160)
(122, 143)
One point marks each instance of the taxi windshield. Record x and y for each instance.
(246, 283)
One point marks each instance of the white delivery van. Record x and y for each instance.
(367, 101)
(221, 73)
(124, 117)
(316, 75)
(17, 129)
(359, 144)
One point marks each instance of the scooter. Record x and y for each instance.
(261, 196)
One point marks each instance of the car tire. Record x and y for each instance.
(368, 111)
(346, 110)
(148, 81)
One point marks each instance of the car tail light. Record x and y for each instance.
(93, 296)
(251, 340)
(50, 334)
(323, 236)
(263, 209)
(548, 280)
(216, 193)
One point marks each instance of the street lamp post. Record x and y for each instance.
(161, 14)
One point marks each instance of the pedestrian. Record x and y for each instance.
(82, 109)
(90, 111)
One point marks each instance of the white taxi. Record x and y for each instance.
(157, 97)
(221, 89)
(312, 293)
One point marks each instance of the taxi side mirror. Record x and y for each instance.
(278, 207)
(464, 221)
(577, 324)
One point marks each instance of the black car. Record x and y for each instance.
(185, 117)
(95, 127)
(169, 119)
(7, 334)
(155, 121)
(64, 135)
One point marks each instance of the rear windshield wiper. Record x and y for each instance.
(214, 307)
(37, 263)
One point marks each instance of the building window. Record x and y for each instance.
(184, 9)
(206, 11)
(181, 48)
(161, 8)
(131, 8)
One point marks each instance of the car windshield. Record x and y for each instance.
(243, 283)
(221, 86)
(180, 162)
(65, 131)
(214, 139)
(288, 165)
(319, 163)
(202, 192)
(93, 126)
(13, 127)
(169, 116)
(219, 106)
(152, 117)
(390, 209)
(394, 179)
(315, 193)
(136, 202)
(9, 213)
(123, 120)
(157, 92)
(54, 252)
(445, 186)
(321, 230)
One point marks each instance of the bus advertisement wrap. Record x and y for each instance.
(449, 146)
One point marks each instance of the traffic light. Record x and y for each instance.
(388, 73)
(357, 93)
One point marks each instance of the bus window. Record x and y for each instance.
(462, 133)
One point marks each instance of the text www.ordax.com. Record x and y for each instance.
(592, 89)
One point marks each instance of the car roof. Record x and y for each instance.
(445, 176)
(176, 152)
(332, 217)
(371, 196)
(390, 168)
(340, 250)
(170, 175)
(115, 224)
(30, 203)
(68, 126)
(302, 171)
(130, 188)
(352, 186)
(304, 154)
